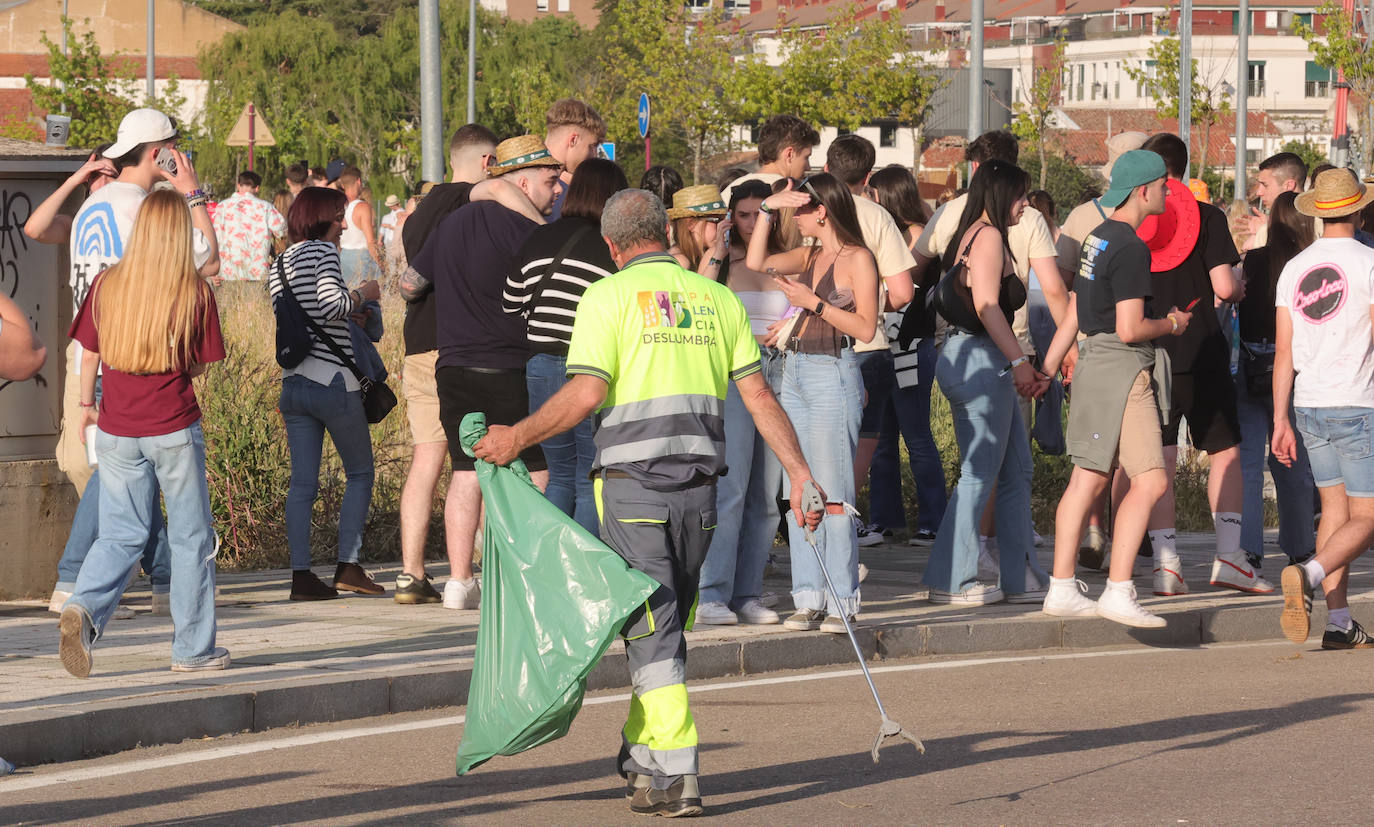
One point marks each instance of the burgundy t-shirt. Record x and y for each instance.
(150, 404)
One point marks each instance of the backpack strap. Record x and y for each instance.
(554, 263)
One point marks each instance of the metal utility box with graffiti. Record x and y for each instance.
(36, 276)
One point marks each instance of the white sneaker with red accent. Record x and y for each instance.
(1235, 572)
(1169, 577)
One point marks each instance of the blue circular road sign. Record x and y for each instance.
(644, 115)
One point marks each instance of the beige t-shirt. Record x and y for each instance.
(766, 177)
(884, 239)
(1082, 220)
(1029, 238)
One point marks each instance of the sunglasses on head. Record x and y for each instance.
(803, 186)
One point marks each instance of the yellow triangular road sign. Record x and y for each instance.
(262, 135)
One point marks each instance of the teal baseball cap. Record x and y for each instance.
(1131, 170)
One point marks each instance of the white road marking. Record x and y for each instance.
(217, 753)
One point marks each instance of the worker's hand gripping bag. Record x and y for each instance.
(553, 599)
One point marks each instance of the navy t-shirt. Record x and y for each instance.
(1114, 266)
(468, 258)
(420, 327)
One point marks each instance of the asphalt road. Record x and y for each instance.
(1266, 733)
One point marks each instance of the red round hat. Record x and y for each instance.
(1172, 234)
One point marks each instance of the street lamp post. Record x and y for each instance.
(1243, 98)
(431, 95)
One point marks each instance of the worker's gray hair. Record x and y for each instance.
(633, 217)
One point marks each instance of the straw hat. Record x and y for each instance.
(393, 201)
(695, 202)
(519, 153)
(1118, 145)
(1337, 193)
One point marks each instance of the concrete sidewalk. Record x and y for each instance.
(307, 662)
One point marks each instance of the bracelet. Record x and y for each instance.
(1173, 321)
(195, 193)
(356, 296)
(764, 210)
(713, 261)
(86, 404)
(198, 201)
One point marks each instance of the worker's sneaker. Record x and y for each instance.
(681, 799)
(55, 602)
(634, 782)
(78, 633)
(411, 590)
(1066, 598)
(834, 624)
(979, 594)
(754, 612)
(462, 594)
(1236, 572)
(716, 614)
(1169, 578)
(1118, 603)
(1092, 555)
(218, 660)
(1338, 638)
(1035, 592)
(1296, 620)
(805, 620)
(923, 538)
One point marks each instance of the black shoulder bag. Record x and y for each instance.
(553, 265)
(378, 400)
(293, 336)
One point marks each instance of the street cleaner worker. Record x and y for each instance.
(654, 348)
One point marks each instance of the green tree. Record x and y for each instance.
(1343, 45)
(350, 18)
(1161, 82)
(89, 84)
(1041, 96)
(683, 60)
(1066, 182)
(1310, 153)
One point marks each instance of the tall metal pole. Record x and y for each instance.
(472, 61)
(66, 34)
(1185, 76)
(1242, 97)
(431, 95)
(975, 70)
(152, 28)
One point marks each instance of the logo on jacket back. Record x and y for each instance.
(1320, 293)
(661, 308)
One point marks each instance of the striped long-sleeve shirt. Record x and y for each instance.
(550, 322)
(312, 270)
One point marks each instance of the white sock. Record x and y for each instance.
(1118, 585)
(1063, 582)
(1227, 525)
(1315, 573)
(1165, 547)
(1340, 618)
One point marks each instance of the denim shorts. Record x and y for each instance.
(1339, 447)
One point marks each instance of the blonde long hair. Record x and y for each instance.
(147, 306)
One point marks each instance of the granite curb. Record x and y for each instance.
(62, 734)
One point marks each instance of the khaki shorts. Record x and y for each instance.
(1140, 449)
(422, 398)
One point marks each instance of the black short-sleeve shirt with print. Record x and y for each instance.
(1202, 347)
(1114, 266)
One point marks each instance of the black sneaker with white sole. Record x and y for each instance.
(411, 590)
(1338, 638)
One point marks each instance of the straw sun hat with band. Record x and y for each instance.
(520, 153)
(1336, 194)
(702, 201)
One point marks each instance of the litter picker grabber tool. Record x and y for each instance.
(812, 501)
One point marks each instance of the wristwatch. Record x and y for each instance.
(820, 305)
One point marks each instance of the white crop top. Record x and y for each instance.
(765, 307)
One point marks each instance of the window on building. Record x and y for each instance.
(565, 5)
(1320, 81)
(1149, 72)
(887, 135)
(1081, 73)
(1252, 156)
(1255, 84)
(541, 5)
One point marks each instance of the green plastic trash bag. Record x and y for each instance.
(553, 599)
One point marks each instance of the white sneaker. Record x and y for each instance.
(55, 602)
(1235, 572)
(1065, 598)
(757, 614)
(716, 614)
(979, 594)
(1035, 592)
(988, 568)
(462, 595)
(1118, 604)
(1169, 577)
(162, 605)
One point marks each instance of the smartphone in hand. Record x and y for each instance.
(167, 160)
